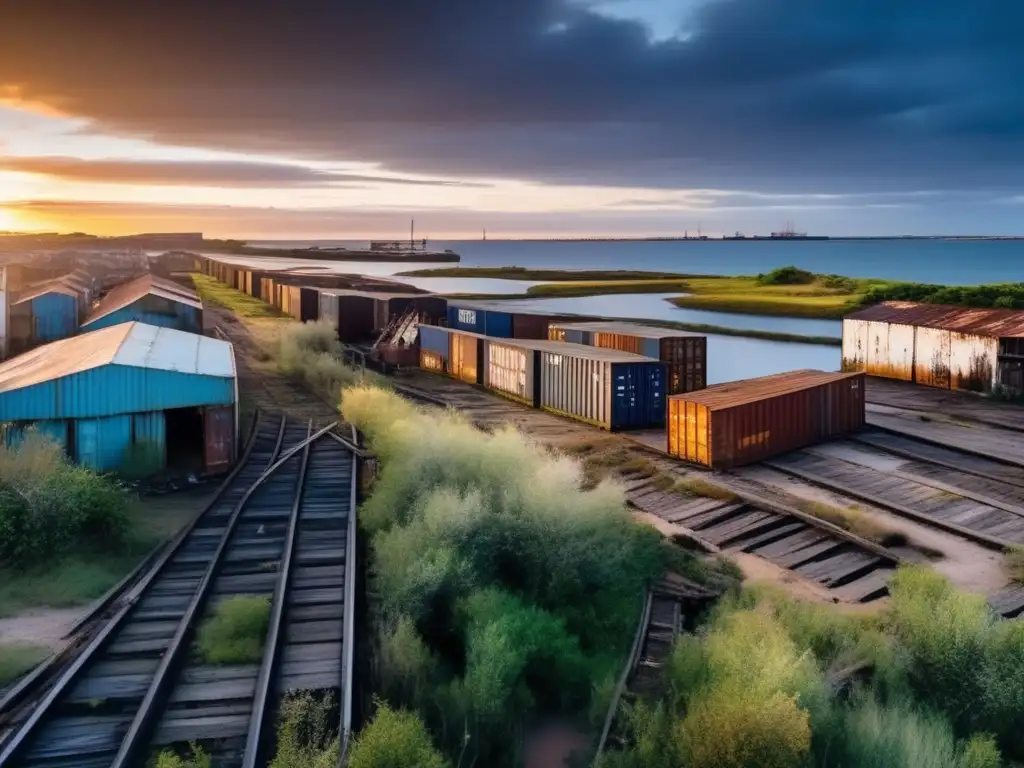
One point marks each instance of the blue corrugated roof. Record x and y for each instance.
(123, 369)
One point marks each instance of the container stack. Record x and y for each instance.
(685, 354)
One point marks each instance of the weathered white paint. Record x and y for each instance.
(931, 357)
(509, 369)
(855, 344)
(974, 362)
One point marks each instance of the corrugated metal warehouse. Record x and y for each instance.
(501, 319)
(112, 394)
(43, 313)
(740, 422)
(685, 354)
(937, 345)
(151, 300)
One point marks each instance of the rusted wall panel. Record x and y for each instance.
(974, 362)
(855, 344)
(891, 350)
(754, 429)
(686, 358)
(219, 423)
(931, 357)
(431, 361)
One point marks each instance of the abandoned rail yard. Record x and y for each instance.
(400, 528)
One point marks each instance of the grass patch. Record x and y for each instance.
(236, 631)
(721, 330)
(212, 291)
(67, 583)
(699, 486)
(821, 297)
(663, 482)
(16, 660)
(854, 521)
(1013, 563)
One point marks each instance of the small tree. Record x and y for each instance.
(394, 740)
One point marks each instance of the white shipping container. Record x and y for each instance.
(855, 344)
(510, 370)
(577, 386)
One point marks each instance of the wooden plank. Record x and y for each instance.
(870, 586)
(752, 543)
(797, 557)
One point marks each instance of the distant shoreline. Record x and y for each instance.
(749, 239)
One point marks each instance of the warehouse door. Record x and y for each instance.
(219, 437)
(185, 446)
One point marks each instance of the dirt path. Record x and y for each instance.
(40, 626)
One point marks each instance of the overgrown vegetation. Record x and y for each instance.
(236, 631)
(853, 520)
(311, 352)
(17, 659)
(395, 739)
(50, 508)
(194, 757)
(213, 291)
(307, 734)
(933, 680)
(506, 592)
(995, 295)
(1013, 563)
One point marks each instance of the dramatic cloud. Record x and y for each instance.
(201, 173)
(774, 95)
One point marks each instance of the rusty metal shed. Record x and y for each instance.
(936, 345)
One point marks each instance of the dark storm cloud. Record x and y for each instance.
(774, 94)
(200, 173)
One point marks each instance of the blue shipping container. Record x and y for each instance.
(638, 395)
(54, 316)
(434, 339)
(484, 321)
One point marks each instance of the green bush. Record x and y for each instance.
(236, 631)
(306, 737)
(195, 758)
(998, 295)
(394, 739)
(16, 660)
(518, 589)
(50, 508)
(787, 276)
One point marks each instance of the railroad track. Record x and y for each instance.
(282, 527)
(670, 608)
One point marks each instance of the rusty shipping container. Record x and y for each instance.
(685, 354)
(432, 361)
(728, 425)
(219, 428)
(351, 313)
(464, 351)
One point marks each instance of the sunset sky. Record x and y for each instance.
(344, 118)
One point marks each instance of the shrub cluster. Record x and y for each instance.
(49, 507)
(311, 353)
(795, 276)
(996, 295)
(506, 590)
(935, 680)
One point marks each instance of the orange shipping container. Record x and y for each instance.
(465, 354)
(741, 422)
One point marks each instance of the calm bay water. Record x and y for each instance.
(937, 261)
(963, 262)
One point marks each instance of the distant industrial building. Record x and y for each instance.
(937, 345)
(128, 390)
(151, 300)
(43, 313)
